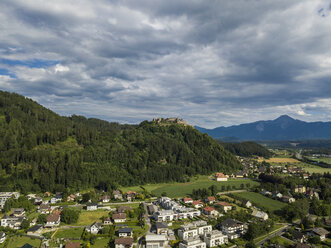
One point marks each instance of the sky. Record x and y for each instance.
(212, 63)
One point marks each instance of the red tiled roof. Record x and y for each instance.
(222, 203)
(53, 218)
(220, 175)
(119, 216)
(208, 209)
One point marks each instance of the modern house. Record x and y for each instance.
(18, 212)
(4, 196)
(232, 228)
(12, 222)
(125, 232)
(155, 241)
(192, 243)
(161, 228)
(194, 229)
(123, 242)
(165, 215)
(215, 238)
(35, 230)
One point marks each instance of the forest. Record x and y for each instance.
(41, 150)
(247, 149)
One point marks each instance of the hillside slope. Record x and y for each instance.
(282, 128)
(40, 150)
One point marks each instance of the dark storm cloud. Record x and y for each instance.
(211, 62)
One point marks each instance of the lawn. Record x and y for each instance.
(69, 233)
(17, 241)
(281, 241)
(88, 217)
(263, 201)
(184, 189)
(279, 160)
(101, 243)
(314, 168)
(321, 159)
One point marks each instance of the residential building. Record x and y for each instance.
(123, 242)
(155, 241)
(300, 189)
(321, 232)
(210, 199)
(117, 195)
(95, 228)
(194, 229)
(52, 220)
(71, 197)
(210, 211)
(260, 214)
(288, 199)
(123, 209)
(165, 215)
(161, 228)
(299, 236)
(225, 206)
(215, 238)
(18, 212)
(119, 217)
(56, 199)
(152, 208)
(130, 195)
(220, 177)
(278, 195)
(91, 206)
(12, 221)
(107, 221)
(105, 198)
(192, 243)
(4, 196)
(35, 230)
(197, 204)
(187, 200)
(232, 228)
(247, 204)
(2, 237)
(44, 208)
(184, 212)
(125, 232)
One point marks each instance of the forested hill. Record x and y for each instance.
(247, 149)
(40, 150)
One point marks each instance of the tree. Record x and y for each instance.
(25, 224)
(69, 215)
(41, 219)
(250, 244)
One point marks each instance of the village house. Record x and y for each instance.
(225, 206)
(197, 204)
(300, 189)
(161, 228)
(298, 236)
(105, 198)
(288, 199)
(278, 195)
(119, 217)
(35, 230)
(187, 200)
(155, 241)
(215, 238)
(125, 232)
(220, 177)
(117, 195)
(18, 212)
(311, 193)
(12, 221)
(44, 209)
(56, 199)
(130, 195)
(2, 237)
(165, 215)
(52, 220)
(210, 211)
(192, 243)
(95, 228)
(123, 209)
(123, 242)
(210, 199)
(71, 197)
(91, 206)
(260, 214)
(320, 232)
(107, 221)
(38, 200)
(247, 204)
(4, 196)
(232, 228)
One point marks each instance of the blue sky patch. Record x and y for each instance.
(35, 63)
(6, 72)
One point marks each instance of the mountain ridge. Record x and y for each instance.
(282, 128)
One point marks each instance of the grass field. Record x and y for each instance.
(279, 160)
(88, 217)
(69, 233)
(325, 160)
(184, 189)
(101, 243)
(263, 201)
(17, 241)
(281, 241)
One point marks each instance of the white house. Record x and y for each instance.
(215, 238)
(118, 218)
(95, 228)
(165, 215)
(123, 242)
(2, 237)
(52, 220)
(125, 232)
(194, 229)
(91, 206)
(184, 212)
(232, 228)
(192, 243)
(225, 206)
(260, 214)
(155, 241)
(4, 196)
(220, 177)
(12, 222)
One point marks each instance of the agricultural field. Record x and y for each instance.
(88, 217)
(17, 241)
(184, 189)
(69, 233)
(321, 159)
(263, 201)
(314, 168)
(279, 160)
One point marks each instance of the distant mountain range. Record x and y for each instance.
(282, 128)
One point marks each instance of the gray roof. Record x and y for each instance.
(35, 228)
(231, 223)
(161, 225)
(320, 231)
(125, 230)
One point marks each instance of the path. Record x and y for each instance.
(272, 234)
(233, 191)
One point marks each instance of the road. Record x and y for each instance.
(233, 191)
(274, 233)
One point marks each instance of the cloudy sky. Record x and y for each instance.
(211, 63)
